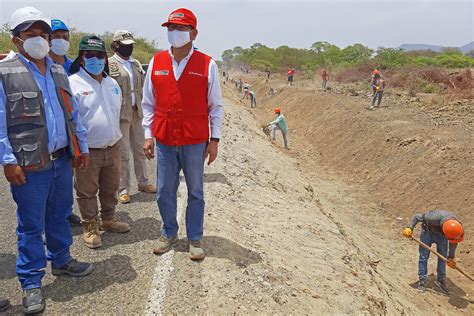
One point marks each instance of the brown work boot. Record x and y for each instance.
(113, 225)
(196, 252)
(124, 198)
(149, 188)
(91, 233)
(164, 244)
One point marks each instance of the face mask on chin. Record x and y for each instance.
(59, 46)
(178, 38)
(37, 47)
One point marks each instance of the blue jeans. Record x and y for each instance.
(44, 202)
(441, 242)
(171, 160)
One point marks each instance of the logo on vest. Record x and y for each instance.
(114, 67)
(196, 74)
(162, 72)
(87, 92)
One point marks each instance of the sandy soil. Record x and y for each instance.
(314, 230)
(393, 161)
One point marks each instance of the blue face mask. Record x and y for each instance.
(94, 65)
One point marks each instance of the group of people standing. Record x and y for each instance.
(73, 123)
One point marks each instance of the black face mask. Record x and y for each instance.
(125, 50)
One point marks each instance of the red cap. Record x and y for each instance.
(181, 16)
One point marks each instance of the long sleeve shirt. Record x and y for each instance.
(128, 66)
(99, 107)
(55, 122)
(433, 221)
(281, 122)
(67, 64)
(380, 83)
(214, 98)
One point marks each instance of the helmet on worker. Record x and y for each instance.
(376, 72)
(453, 231)
(277, 110)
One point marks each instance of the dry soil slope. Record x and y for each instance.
(271, 248)
(405, 157)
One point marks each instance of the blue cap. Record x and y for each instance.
(58, 25)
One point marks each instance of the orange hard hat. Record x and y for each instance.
(376, 72)
(277, 110)
(453, 231)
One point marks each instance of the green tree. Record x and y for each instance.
(390, 57)
(237, 50)
(227, 55)
(320, 47)
(451, 51)
(356, 53)
(332, 55)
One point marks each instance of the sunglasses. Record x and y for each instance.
(91, 54)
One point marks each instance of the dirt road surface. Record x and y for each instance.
(286, 232)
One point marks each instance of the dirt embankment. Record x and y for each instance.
(403, 158)
(409, 160)
(276, 242)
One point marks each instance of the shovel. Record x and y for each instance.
(422, 244)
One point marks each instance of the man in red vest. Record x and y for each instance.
(182, 110)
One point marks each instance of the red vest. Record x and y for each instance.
(181, 110)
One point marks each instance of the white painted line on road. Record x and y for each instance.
(164, 268)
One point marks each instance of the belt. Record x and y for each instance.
(58, 153)
(105, 147)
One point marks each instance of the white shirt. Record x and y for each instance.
(99, 107)
(214, 98)
(9, 56)
(128, 66)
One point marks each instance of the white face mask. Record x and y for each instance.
(178, 38)
(59, 46)
(37, 47)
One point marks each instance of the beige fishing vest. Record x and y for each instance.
(118, 72)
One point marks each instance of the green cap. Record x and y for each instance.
(92, 42)
(88, 42)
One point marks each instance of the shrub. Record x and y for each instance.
(262, 64)
(354, 73)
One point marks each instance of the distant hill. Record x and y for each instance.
(436, 48)
(467, 47)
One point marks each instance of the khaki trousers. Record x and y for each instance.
(102, 177)
(133, 139)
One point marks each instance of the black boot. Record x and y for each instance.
(422, 286)
(74, 220)
(33, 302)
(74, 268)
(4, 304)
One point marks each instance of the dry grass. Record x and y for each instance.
(429, 79)
(354, 74)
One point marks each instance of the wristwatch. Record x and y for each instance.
(214, 139)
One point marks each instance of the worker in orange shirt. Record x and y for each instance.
(325, 78)
(291, 73)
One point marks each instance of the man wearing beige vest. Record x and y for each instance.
(129, 74)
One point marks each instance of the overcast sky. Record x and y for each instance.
(225, 24)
